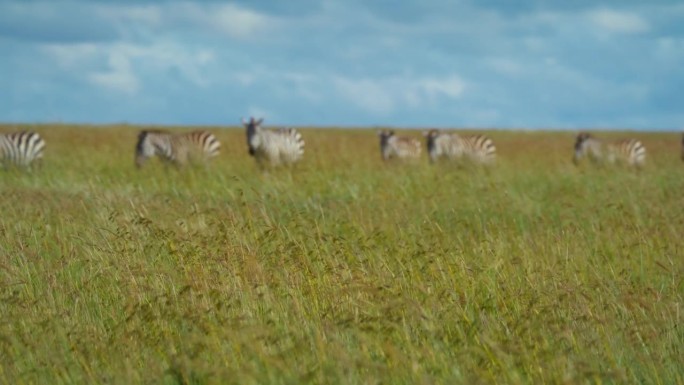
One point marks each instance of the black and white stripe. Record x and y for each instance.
(177, 149)
(20, 148)
(627, 151)
(399, 147)
(448, 145)
(274, 147)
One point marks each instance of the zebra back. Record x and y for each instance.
(478, 148)
(628, 151)
(21, 148)
(178, 149)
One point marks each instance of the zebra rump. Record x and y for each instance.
(276, 147)
(177, 149)
(20, 148)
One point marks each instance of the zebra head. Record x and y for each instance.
(385, 136)
(580, 146)
(430, 137)
(253, 127)
(144, 148)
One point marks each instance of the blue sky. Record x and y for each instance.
(414, 63)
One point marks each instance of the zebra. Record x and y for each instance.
(626, 151)
(400, 147)
(476, 148)
(176, 149)
(20, 149)
(275, 147)
(682, 151)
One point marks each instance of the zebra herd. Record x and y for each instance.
(269, 147)
(480, 149)
(285, 146)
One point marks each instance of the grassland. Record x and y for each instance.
(344, 270)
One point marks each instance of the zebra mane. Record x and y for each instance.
(386, 134)
(152, 131)
(143, 134)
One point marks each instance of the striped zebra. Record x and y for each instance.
(476, 148)
(400, 147)
(275, 147)
(176, 149)
(627, 151)
(20, 149)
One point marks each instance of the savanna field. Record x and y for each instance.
(343, 269)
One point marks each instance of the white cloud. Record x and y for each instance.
(451, 86)
(506, 66)
(228, 20)
(69, 56)
(244, 78)
(368, 94)
(384, 96)
(149, 15)
(618, 22)
(669, 50)
(119, 76)
(167, 19)
(238, 22)
(119, 66)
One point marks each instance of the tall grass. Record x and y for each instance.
(342, 270)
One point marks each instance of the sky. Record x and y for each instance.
(523, 64)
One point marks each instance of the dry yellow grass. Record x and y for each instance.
(343, 270)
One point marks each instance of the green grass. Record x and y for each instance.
(343, 270)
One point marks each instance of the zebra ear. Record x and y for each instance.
(244, 121)
(259, 121)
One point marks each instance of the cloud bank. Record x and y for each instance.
(418, 63)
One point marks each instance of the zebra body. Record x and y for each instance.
(400, 147)
(627, 151)
(273, 147)
(177, 149)
(20, 148)
(476, 148)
